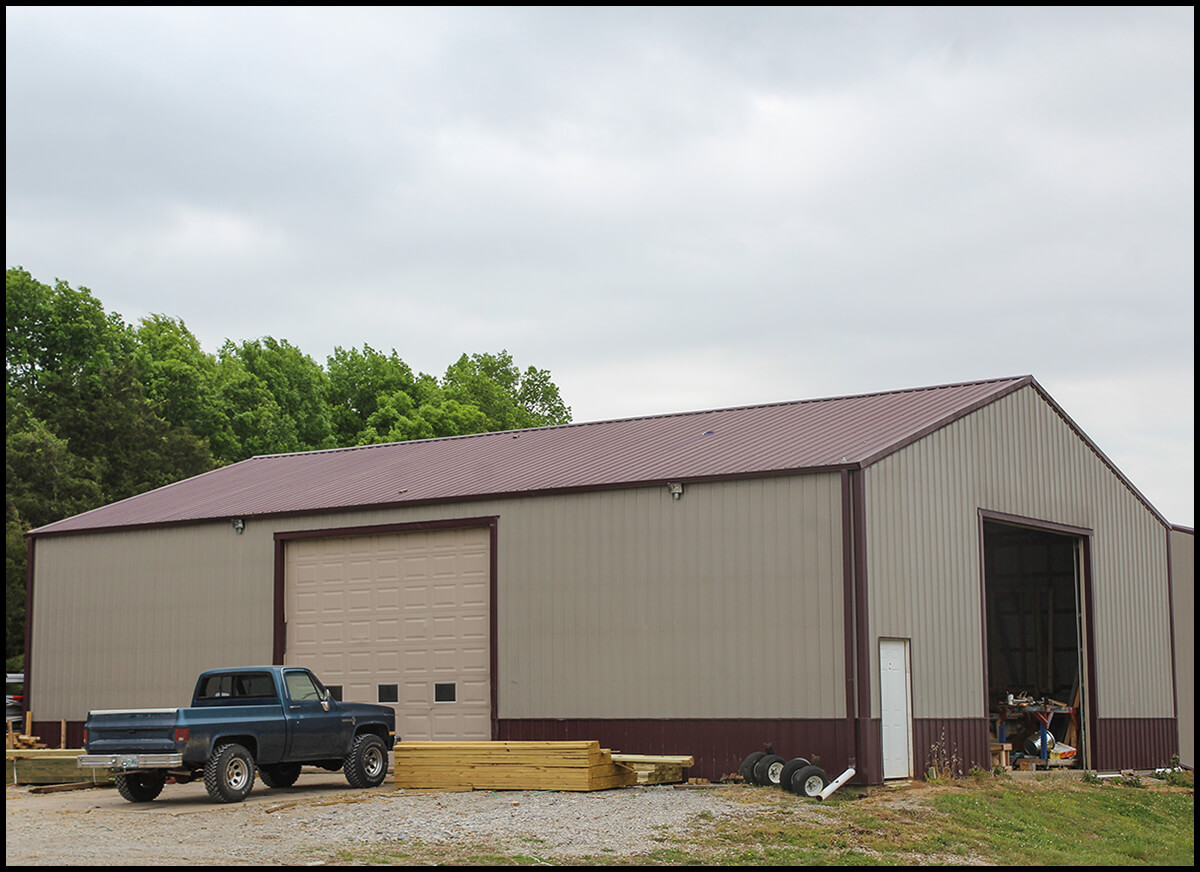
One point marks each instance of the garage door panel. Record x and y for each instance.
(333, 661)
(387, 631)
(406, 611)
(305, 633)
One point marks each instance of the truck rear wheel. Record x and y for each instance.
(229, 774)
(140, 786)
(366, 765)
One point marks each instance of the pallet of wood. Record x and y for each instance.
(48, 766)
(509, 766)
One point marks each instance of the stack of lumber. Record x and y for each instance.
(652, 769)
(47, 766)
(509, 766)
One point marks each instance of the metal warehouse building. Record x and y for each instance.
(861, 579)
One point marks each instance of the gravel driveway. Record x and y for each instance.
(305, 825)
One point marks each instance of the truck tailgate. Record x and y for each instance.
(141, 731)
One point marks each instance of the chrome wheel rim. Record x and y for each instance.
(373, 762)
(237, 773)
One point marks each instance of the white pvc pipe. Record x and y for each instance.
(836, 783)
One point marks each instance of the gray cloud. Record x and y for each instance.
(668, 208)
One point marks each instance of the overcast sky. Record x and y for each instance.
(669, 209)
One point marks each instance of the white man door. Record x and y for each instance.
(895, 695)
(400, 618)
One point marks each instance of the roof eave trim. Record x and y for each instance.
(463, 499)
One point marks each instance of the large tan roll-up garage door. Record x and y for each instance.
(398, 618)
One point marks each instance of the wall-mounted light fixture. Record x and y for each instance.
(238, 525)
(675, 489)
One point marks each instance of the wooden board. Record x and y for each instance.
(508, 766)
(652, 769)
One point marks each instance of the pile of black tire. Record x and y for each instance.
(798, 775)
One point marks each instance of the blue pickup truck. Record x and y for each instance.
(264, 719)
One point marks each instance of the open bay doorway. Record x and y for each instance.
(1034, 590)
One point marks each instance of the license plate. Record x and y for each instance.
(129, 762)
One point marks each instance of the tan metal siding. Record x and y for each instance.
(1183, 582)
(1016, 456)
(131, 618)
(725, 603)
(622, 603)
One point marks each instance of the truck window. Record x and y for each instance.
(300, 687)
(239, 685)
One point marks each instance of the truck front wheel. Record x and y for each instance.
(366, 765)
(140, 786)
(229, 774)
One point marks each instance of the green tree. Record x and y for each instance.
(510, 399)
(297, 383)
(54, 333)
(397, 418)
(254, 423)
(180, 379)
(357, 379)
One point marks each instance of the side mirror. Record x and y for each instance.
(324, 696)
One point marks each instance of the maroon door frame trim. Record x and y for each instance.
(867, 757)
(1084, 537)
(848, 612)
(279, 643)
(1171, 618)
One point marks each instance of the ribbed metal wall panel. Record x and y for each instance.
(1016, 456)
(1135, 743)
(726, 603)
(950, 744)
(629, 604)
(130, 618)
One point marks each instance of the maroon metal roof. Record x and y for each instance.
(779, 438)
